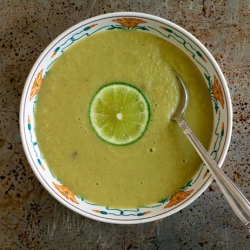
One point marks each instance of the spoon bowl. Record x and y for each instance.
(183, 100)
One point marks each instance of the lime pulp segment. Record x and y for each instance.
(119, 113)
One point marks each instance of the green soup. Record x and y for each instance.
(146, 171)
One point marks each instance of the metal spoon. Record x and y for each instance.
(234, 196)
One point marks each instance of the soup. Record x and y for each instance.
(146, 171)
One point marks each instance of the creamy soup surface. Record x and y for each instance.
(146, 171)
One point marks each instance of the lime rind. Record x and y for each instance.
(119, 113)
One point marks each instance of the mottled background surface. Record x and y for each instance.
(30, 218)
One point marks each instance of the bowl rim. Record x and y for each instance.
(125, 15)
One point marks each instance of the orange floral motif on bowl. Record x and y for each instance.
(178, 197)
(66, 193)
(36, 84)
(217, 91)
(205, 175)
(128, 22)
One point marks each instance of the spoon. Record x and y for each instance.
(234, 196)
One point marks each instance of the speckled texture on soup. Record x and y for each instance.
(150, 169)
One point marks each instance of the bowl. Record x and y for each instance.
(216, 85)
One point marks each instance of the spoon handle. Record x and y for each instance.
(236, 199)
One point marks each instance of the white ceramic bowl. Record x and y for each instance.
(217, 88)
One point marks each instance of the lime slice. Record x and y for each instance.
(119, 113)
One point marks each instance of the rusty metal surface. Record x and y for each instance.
(31, 219)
